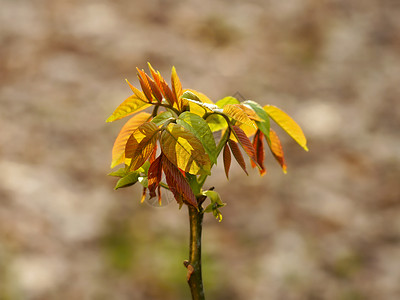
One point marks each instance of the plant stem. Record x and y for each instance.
(194, 277)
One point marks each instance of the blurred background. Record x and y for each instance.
(329, 229)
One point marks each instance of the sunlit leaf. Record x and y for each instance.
(155, 90)
(141, 144)
(264, 124)
(154, 175)
(245, 142)
(237, 155)
(138, 93)
(227, 160)
(167, 92)
(196, 125)
(142, 76)
(118, 151)
(177, 183)
(131, 105)
(184, 150)
(227, 100)
(287, 124)
(276, 148)
(176, 86)
(128, 180)
(237, 113)
(216, 122)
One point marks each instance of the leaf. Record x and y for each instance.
(237, 154)
(227, 100)
(245, 142)
(177, 183)
(155, 90)
(119, 173)
(260, 153)
(237, 113)
(163, 117)
(154, 175)
(127, 180)
(196, 125)
(145, 84)
(118, 151)
(215, 204)
(276, 148)
(263, 125)
(138, 93)
(287, 124)
(227, 160)
(176, 87)
(129, 106)
(216, 122)
(184, 150)
(198, 102)
(141, 144)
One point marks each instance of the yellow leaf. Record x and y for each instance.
(118, 151)
(176, 86)
(129, 106)
(236, 112)
(287, 124)
(141, 144)
(138, 93)
(184, 150)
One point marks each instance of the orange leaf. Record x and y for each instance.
(227, 160)
(169, 96)
(245, 143)
(236, 112)
(138, 93)
(154, 89)
(154, 176)
(141, 144)
(238, 155)
(118, 151)
(176, 86)
(177, 183)
(276, 148)
(287, 124)
(145, 84)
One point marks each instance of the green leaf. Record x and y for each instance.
(227, 100)
(127, 180)
(215, 204)
(264, 124)
(196, 125)
(120, 172)
(184, 150)
(129, 106)
(287, 124)
(162, 118)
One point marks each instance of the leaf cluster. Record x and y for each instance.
(178, 138)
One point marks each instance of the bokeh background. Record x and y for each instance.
(329, 229)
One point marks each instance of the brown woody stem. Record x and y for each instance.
(194, 277)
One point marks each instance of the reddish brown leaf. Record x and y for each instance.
(227, 160)
(245, 143)
(260, 153)
(145, 85)
(177, 183)
(154, 176)
(276, 148)
(238, 155)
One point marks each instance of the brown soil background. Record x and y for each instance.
(329, 229)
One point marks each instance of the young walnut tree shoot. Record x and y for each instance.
(176, 138)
